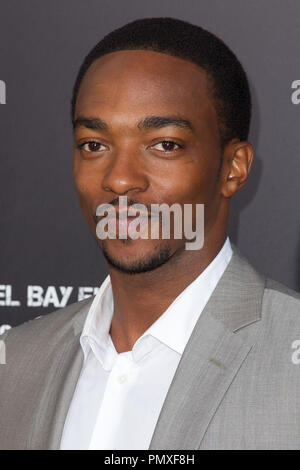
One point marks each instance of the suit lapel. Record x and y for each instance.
(59, 387)
(213, 356)
(71, 372)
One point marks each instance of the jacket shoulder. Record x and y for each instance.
(281, 303)
(281, 292)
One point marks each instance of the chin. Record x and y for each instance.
(130, 258)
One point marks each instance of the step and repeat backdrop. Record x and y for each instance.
(48, 257)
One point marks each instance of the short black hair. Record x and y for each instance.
(229, 86)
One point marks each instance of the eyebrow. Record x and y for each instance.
(148, 122)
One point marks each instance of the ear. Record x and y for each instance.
(238, 158)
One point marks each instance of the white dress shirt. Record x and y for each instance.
(119, 396)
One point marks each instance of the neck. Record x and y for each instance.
(140, 299)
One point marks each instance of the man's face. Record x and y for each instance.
(150, 163)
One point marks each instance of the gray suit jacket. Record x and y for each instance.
(236, 386)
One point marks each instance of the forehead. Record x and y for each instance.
(139, 81)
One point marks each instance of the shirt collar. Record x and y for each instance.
(173, 328)
(95, 333)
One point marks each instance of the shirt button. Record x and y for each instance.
(123, 378)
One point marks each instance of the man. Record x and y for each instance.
(181, 348)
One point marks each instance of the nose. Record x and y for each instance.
(124, 174)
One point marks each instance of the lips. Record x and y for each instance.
(124, 214)
(121, 222)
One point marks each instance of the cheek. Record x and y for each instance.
(86, 186)
(194, 177)
(190, 183)
(85, 179)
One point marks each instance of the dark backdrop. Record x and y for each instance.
(44, 239)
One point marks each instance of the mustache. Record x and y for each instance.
(130, 202)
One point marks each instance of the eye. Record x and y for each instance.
(90, 146)
(167, 146)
